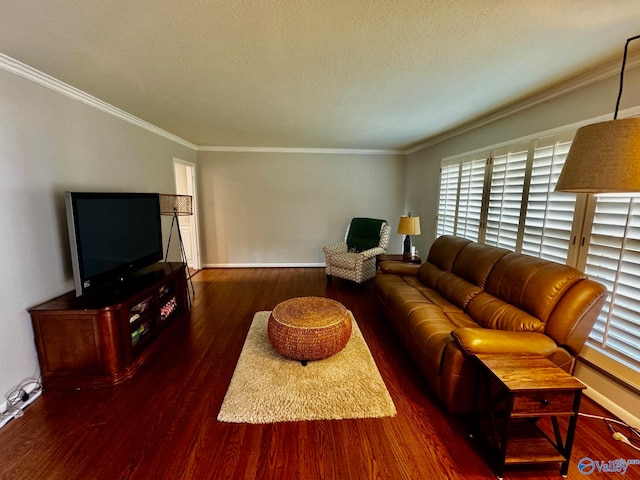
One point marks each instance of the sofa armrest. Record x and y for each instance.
(486, 340)
(399, 267)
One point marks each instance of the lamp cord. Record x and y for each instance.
(624, 61)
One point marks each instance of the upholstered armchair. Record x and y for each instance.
(355, 258)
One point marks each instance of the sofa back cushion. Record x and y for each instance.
(475, 261)
(458, 268)
(489, 311)
(457, 290)
(445, 249)
(531, 284)
(574, 316)
(429, 274)
(498, 288)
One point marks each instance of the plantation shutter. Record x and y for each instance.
(613, 259)
(505, 199)
(470, 203)
(549, 217)
(448, 199)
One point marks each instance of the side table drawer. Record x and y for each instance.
(545, 403)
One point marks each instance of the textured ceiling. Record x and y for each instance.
(366, 74)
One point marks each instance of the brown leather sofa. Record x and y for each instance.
(472, 298)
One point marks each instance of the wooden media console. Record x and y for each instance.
(102, 338)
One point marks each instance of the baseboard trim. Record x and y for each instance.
(263, 265)
(611, 406)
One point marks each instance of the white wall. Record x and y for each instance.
(50, 143)
(281, 208)
(577, 106)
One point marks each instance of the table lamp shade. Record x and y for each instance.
(409, 225)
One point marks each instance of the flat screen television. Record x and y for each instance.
(112, 236)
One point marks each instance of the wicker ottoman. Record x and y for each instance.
(309, 328)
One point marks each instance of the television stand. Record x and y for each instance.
(102, 338)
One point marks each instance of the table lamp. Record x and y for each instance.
(408, 226)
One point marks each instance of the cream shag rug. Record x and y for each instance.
(267, 387)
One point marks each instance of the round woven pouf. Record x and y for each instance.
(309, 328)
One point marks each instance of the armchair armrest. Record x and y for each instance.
(486, 340)
(372, 252)
(340, 247)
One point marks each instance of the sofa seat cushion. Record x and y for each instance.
(433, 296)
(386, 284)
(406, 294)
(409, 289)
(405, 300)
(432, 334)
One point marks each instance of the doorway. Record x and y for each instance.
(185, 177)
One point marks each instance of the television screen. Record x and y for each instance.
(112, 235)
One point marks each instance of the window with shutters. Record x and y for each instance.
(448, 199)
(549, 220)
(505, 199)
(613, 259)
(461, 196)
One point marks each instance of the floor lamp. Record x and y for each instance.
(178, 206)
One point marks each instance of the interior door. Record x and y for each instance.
(185, 185)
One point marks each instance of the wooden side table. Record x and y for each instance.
(518, 391)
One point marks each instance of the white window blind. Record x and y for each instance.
(470, 200)
(549, 215)
(509, 201)
(505, 199)
(613, 258)
(448, 198)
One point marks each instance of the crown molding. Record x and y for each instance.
(326, 151)
(584, 80)
(16, 67)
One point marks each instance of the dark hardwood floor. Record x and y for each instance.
(162, 424)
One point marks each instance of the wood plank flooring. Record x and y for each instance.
(162, 424)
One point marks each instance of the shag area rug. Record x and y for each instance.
(267, 387)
